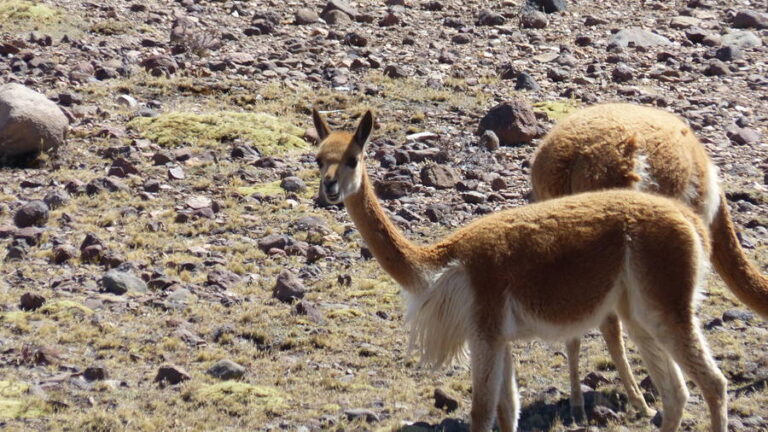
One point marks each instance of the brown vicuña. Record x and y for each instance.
(630, 146)
(551, 270)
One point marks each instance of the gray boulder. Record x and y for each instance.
(638, 37)
(29, 122)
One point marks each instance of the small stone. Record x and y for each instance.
(513, 122)
(394, 71)
(389, 20)
(63, 253)
(361, 413)
(749, 18)
(715, 67)
(120, 282)
(438, 176)
(549, 6)
(315, 253)
(337, 18)
(526, 82)
(461, 39)
(288, 287)
(743, 136)
(742, 39)
(737, 314)
(728, 53)
(638, 37)
(622, 73)
(305, 16)
(595, 380)
(171, 374)
(490, 18)
(127, 101)
(444, 401)
(199, 202)
(489, 140)
(534, 19)
(33, 213)
(95, 373)
(226, 370)
(275, 241)
(392, 189)
(176, 173)
(293, 184)
(604, 415)
(473, 197)
(31, 301)
(498, 184)
(56, 199)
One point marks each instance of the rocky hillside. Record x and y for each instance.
(165, 264)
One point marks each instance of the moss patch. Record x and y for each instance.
(268, 133)
(16, 11)
(65, 309)
(14, 403)
(234, 397)
(556, 110)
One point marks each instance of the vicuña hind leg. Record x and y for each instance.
(509, 402)
(487, 369)
(611, 330)
(572, 347)
(664, 372)
(686, 344)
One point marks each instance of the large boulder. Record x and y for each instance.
(29, 122)
(514, 122)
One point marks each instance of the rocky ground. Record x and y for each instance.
(170, 269)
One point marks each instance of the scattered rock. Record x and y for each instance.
(288, 287)
(534, 19)
(293, 184)
(305, 16)
(31, 301)
(737, 314)
(750, 19)
(63, 253)
(33, 213)
(392, 189)
(638, 37)
(95, 373)
(743, 136)
(622, 73)
(438, 176)
(742, 39)
(513, 122)
(489, 140)
(728, 53)
(490, 18)
(526, 82)
(549, 6)
(473, 197)
(444, 401)
(362, 414)
(226, 369)
(715, 67)
(120, 282)
(29, 122)
(171, 374)
(56, 199)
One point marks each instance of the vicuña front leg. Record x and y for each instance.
(509, 400)
(611, 330)
(572, 348)
(487, 375)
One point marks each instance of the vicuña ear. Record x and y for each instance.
(364, 129)
(320, 125)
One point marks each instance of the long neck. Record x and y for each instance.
(403, 260)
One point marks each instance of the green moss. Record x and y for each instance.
(111, 27)
(234, 397)
(14, 402)
(65, 309)
(17, 11)
(14, 317)
(269, 134)
(556, 110)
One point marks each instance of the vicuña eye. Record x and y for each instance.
(352, 162)
(319, 163)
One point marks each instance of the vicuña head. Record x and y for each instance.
(340, 158)
(552, 270)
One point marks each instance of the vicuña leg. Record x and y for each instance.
(664, 372)
(487, 375)
(509, 402)
(688, 347)
(573, 347)
(611, 330)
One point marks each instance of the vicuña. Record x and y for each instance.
(551, 270)
(630, 146)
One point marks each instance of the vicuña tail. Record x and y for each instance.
(741, 276)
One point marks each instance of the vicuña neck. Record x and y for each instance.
(403, 260)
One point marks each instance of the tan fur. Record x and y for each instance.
(549, 269)
(630, 146)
